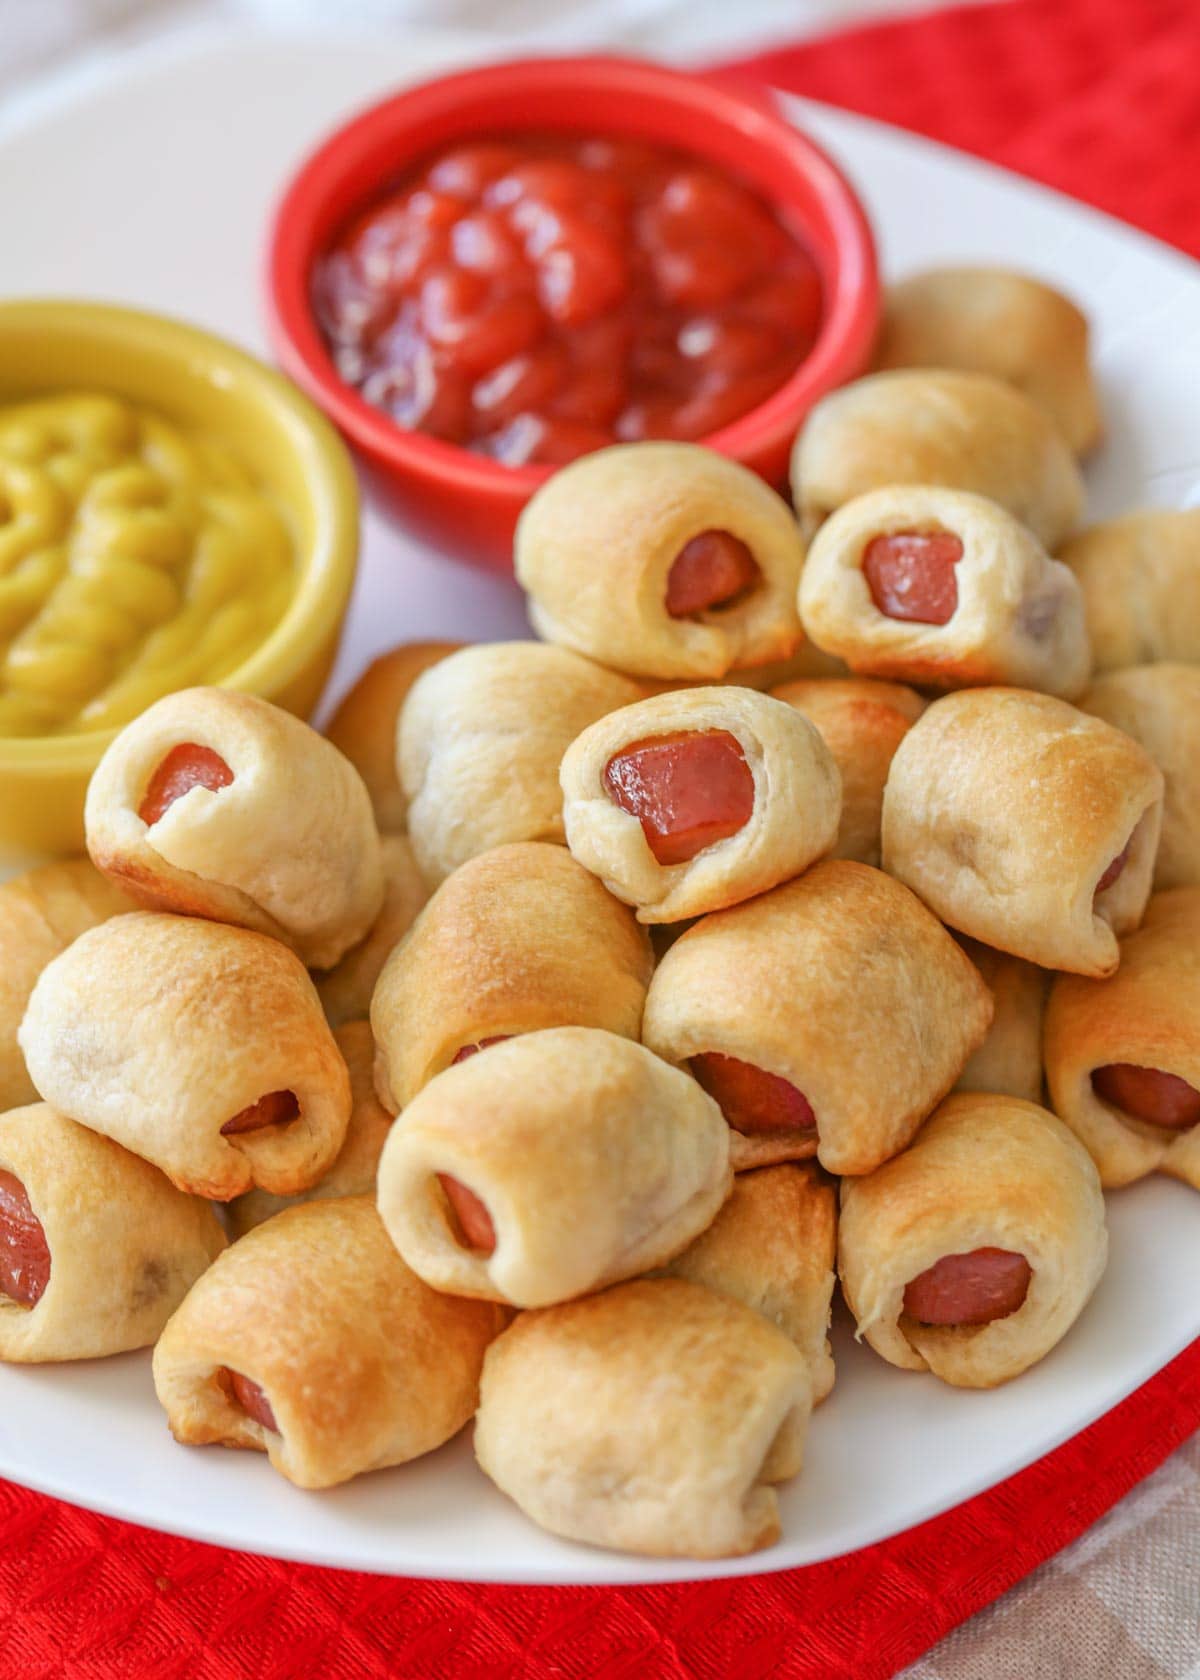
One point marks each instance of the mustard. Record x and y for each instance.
(135, 558)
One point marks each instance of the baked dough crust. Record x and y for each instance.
(797, 803)
(1159, 705)
(346, 991)
(41, 912)
(125, 1245)
(964, 431)
(773, 1246)
(363, 1365)
(357, 1165)
(520, 938)
(289, 848)
(862, 722)
(1147, 1014)
(984, 1172)
(843, 984)
(1011, 326)
(1140, 577)
(595, 1160)
(363, 728)
(156, 1030)
(595, 544)
(1003, 809)
(651, 1419)
(1019, 617)
(480, 740)
(1009, 1061)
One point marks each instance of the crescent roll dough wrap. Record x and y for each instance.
(946, 589)
(773, 1246)
(198, 1046)
(1140, 577)
(518, 939)
(1123, 1055)
(1159, 706)
(364, 726)
(312, 1341)
(354, 1171)
(346, 991)
(653, 1418)
(480, 740)
(121, 1244)
(990, 1176)
(584, 1160)
(862, 723)
(218, 804)
(1026, 824)
(41, 912)
(745, 794)
(990, 320)
(662, 559)
(845, 992)
(1009, 1061)
(964, 431)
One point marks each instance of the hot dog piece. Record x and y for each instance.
(474, 1049)
(252, 1400)
(185, 767)
(911, 575)
(474, 1220)
(1160, 1099)
(688, 790)
(750, 1098)
(275, 1109)
(24, 1252)
(974, 1288)
(712, 570)
(1115, 867)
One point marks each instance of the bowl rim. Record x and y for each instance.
(843, 344)
(326, 564)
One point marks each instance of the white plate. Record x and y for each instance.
(199, 143)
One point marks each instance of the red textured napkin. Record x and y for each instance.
(1101, 99)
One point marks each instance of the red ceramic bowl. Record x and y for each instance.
(464, 502)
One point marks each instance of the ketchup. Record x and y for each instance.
(537, 296)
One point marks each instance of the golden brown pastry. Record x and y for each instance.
(663, 560)
(354, 1171)
(1140, 577)
(480, 740)
(1123, 1055)
(517, 939)
(552, 1165)
(691, 801)
(364, 726)
(946, 589)
(41, 912)
(198, 1046)
(1159, 705)
(218, 804)
(994, 321)
(827, 1017)
(653, 1418)
(310, 1340)
(1026, 824)
(97, 1249)
(862, 723)
(1009, 1061)
(973, 1253)
(774, 1247)
(346, 991)
(964, 431)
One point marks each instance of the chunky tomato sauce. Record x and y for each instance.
(537, 297)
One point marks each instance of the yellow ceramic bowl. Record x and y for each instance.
(198, 381)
